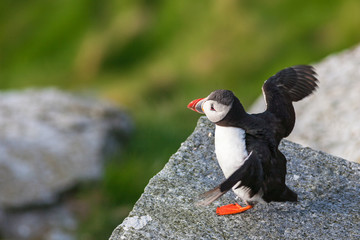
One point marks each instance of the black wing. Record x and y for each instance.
(249, 175)
(289, 85)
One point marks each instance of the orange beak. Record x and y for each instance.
(196, 105)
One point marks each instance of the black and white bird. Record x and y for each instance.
(246, 145)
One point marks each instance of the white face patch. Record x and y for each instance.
(215, 111)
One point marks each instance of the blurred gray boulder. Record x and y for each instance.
(329, 120)
(328, 207)
(50, 141)
(45, 223)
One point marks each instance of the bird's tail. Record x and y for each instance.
(286, 196)
(290, 195)
(210, 196)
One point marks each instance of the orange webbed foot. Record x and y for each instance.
(232, 209)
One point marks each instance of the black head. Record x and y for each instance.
(225, 97)
(216, 106)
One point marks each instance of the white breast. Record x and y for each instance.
(230, 148)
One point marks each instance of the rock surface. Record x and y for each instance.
(329, 120)
(328, 207)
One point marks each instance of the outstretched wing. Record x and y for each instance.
(249, 175)
(296, 82)
(288, 85)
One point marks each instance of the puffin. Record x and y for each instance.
(246, 145)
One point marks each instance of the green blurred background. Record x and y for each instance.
(152, 57)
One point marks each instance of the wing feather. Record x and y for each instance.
(249, 175)
(288, 85)
(294, 82)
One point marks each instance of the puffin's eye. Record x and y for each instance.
(212, 107)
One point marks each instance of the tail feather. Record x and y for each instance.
(210, 196)
(280, 195)
(289, 195)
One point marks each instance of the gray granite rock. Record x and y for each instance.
(329, 120)
(50, 141)
(328, 207)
